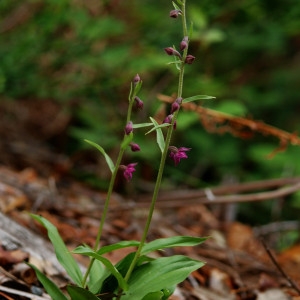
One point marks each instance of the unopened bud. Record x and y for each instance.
(189, 59)
(168, 120)
(138, 103)
(184, 43)
(128, 128)
(136, 79)
(134, 147)
(172, 51)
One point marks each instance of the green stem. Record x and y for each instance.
(163, 159)
(109, 192)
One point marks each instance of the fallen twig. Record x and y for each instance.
(279, 268)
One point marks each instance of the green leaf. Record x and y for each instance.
(170, 242)
(159, 135)
(108, 248)
(137, 87)
(106, 156)
(176, 6)
(51, 288)
(159, 274)
(88, 252)
(63, 255)
(142, 125)
(78, 293)
(198, 97)
(127, 139)
(96, 276)
(154, 296)
(158, 126)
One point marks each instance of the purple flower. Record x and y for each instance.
(128, 128)
(174, 13)
(178, 153)
(128, 170)
(189, 59)
(172, 51)
(138, 103)
(134, 147)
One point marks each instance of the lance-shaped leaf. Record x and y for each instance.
(51, 288)
(159, 135)
(88, 252)
(63, 255)
(176, 6)
(159, 274)
(140, 125)
(197, 97)
(106, 156)
(108, 248)
(170, 242)
(79, 293)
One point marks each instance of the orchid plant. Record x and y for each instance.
(137, 276)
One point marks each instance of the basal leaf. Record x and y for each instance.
(198, 97)
(106, 156)
(96, 276)
(159, 274)
(154, 296)
(78, 293)
(170, 242)
(63, 255)
(88, 252)
(109, 248)
(51, 288)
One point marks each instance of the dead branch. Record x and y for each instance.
(279, 268)
(219, 122)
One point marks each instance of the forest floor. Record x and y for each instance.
(241, 262)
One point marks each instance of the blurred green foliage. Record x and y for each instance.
(85, 53)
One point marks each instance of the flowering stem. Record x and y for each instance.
(109, 192)
(163, 157)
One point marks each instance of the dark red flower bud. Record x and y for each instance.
(184, 43)
(134, 147)
(175, 13)
(128, 128)
(136, 79)
(168, 120)
(175, 107)
(189, 59)
(172, 51)
(139, 104)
